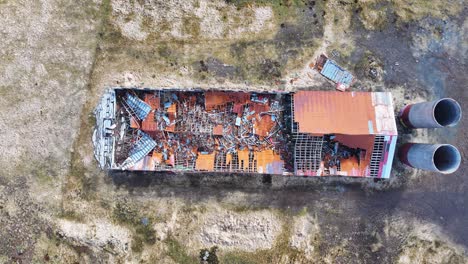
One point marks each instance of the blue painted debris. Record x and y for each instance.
(140, 108)
(142, 147)
(334, 72)
(140, 150)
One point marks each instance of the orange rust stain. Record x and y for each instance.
(172, 118)
(215, 99)
(172, 108)
(229, 159)
(218, 130)
(171, 160)
(157, 157)
(149, 124)
(152, 101)
(365, 142)
(264, 126)
(205, 162)
(133, 123)
(356, 141)
(265, 159)
(352, 167)
(323, 112)
(243, 159)
(258, 108)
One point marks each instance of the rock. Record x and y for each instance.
(97, 235)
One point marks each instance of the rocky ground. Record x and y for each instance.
(57, 57)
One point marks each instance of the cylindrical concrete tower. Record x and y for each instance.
(440, 113)
(443, 158)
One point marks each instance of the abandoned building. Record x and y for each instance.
(306, 133)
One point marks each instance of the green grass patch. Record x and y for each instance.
(143, 229)
(178, 253)
(191, 26)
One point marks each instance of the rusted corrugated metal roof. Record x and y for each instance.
(149, 124)
(353, 113)
(152, 101)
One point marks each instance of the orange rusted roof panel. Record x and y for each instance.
(172, 108)
(269, 162)
(205, 162)
(134, 123)
(152, 101)
(263, 125)
(323, 112)
(352, 113)
(214, 99)
(149, 124)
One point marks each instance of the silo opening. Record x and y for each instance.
(447, 159)
(447, 112)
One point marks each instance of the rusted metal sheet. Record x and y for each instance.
(205, 162)
(333, 112)
(353, 113)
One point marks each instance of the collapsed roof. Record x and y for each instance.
(309, 133)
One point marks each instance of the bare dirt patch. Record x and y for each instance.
(248, 231)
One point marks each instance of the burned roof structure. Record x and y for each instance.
(349, 134)
(307, 133)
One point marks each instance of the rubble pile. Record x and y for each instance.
(203, 131)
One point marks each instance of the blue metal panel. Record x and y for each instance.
(337, 74)
(144, 146)
(140, 108)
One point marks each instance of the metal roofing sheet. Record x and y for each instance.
(149, 124)
(205, 162)
(268, 162)
(351, 113)
(264, 125)
(140, 108)
(337, 74)
(215, 99)
(142, 147)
